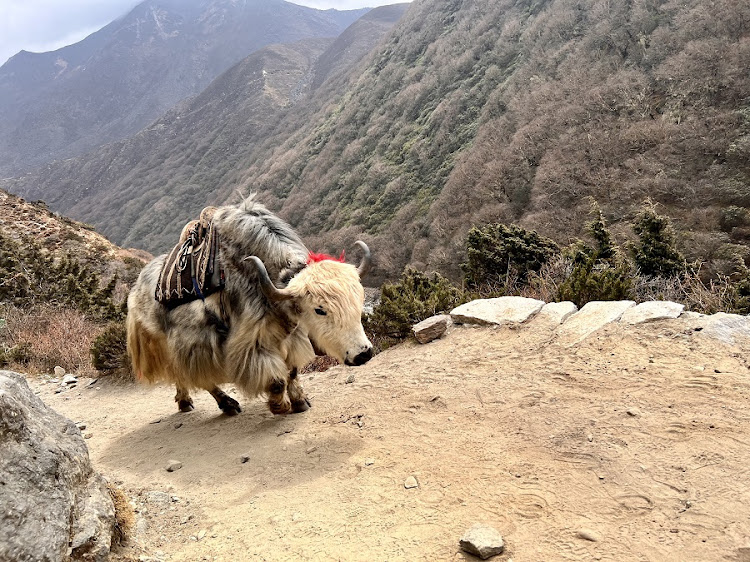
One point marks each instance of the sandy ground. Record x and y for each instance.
(638, 435)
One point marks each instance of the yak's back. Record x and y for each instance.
(249, 229)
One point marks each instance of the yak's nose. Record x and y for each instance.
(361, 358)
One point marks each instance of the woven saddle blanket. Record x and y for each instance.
(191, 270)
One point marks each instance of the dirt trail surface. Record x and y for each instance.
(638, 438)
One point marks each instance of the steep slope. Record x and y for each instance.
(26, 223)
(161, 177)
(517, 110)
(111, 84)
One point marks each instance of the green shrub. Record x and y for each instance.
(599, 273)
(415, 297)
(732, 217)
(109, 351)
(30, 276)
(656, 253)
(19, 354)
(496, 251)
(596, 280)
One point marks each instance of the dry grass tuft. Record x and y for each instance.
(53, 336)
(124, 516)
(320, 364)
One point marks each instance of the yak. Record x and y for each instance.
(254, 333)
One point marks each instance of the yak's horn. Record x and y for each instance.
(366, 262)
(271, 291)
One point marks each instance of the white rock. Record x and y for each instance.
(593, 316)
(498, 311)
(482, 540)
(652, 311)
(350, 379)
(157, 497)
(173, 465)
(556, 312)
(59, 371)
(726, 327)
(369, 462)
(69, 379)
(588, 535)
(411, 482)
(432, 328)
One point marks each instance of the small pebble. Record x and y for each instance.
(88, 435)
(311, 449)
(178, 425)
(157, 420)
(244, 458)
(173, 465)
(411, 482)
(590, 437)
(201, 534)
(350, 379)
(369, 462)
(59, 371)
(360, 424)
(588, 535)
(69, 379)
(157, 497)
(81, 425)
(633, 412)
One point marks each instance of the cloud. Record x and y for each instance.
(44, 25)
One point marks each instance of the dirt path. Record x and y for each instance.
(640, 435)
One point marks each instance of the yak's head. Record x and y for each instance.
(328, 298)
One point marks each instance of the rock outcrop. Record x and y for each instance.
(498, 311)
(53, 506)
(432, 328)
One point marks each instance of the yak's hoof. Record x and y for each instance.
(280, 408)
(185, 405)
(299, 406)
(229, 406)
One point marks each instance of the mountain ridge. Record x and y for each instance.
(115, 81)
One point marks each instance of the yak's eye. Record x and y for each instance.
(320, 312)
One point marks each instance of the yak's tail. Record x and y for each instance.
(147, 353)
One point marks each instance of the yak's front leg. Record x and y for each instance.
(278, 401)
(226, 403)
(184, 402)
(297, 395)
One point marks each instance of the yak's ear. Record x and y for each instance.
(366, 262)
(272, 293)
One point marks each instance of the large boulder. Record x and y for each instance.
(53, 506)
(497, 311)
(651, 311)
(593, 316)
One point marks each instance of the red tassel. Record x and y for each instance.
(312, 257)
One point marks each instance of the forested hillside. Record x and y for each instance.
(485, 111)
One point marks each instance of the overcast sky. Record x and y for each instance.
(46, 25)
